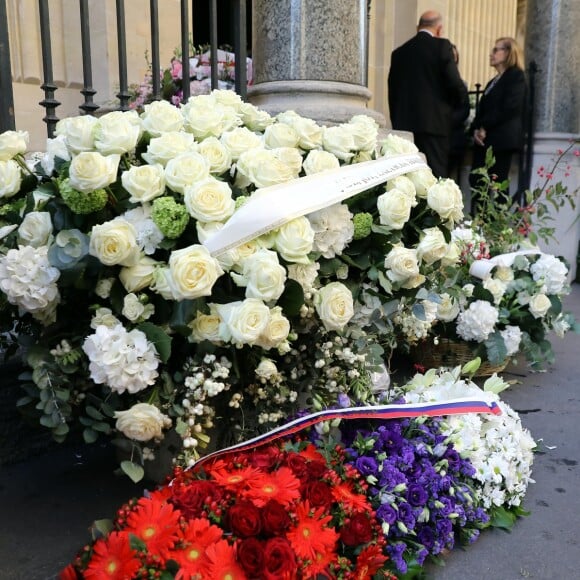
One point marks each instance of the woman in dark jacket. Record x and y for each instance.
(499, 119)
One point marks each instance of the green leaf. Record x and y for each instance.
(94, 413)
(502, 518)
(23, 401)
(496, 349)
(135, 472)
(101, 528)
(61, 430)
(89, 435)
(292, 298)
(159, 338)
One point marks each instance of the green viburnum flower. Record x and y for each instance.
(82, 203)
(240, 201)
(169, 216)
(362, 225)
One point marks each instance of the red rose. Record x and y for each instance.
(192, 498)
(250, 555)
(275, 518)
(318, 493)
(244, 519)
(298, 465)
(265, 458)
(279, 560)
(316, 470)
(358, 530)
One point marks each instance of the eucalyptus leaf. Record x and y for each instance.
(135, 472)
(89, 435)
(159, 338)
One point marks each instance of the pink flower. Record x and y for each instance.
(176, 69)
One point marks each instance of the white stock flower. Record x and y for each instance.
(13, 143)
(446, 199)
(550, 271)
(478, 321)
(447, 309)
(335, 306)
(239, 140)
(243, 321)
(280, 135)
(432, 246)
(142, 422)
(90, 170)
(216, 154)
(144, 182)
(78, 132)
(161, 117)
(262, 275)
(539, 305)
(209, 200)
(193, 272)
(117, 132)
(339, 141)
(294, 240)
(124, 361)
(168, 146)
(318, 161)
(10, 178)
(114, 242)
(28, 279)
(394, 208)
(35, 229)
(333, 229)
(512, 336)
(185, 170)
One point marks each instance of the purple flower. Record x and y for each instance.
(387, 513)
(406, 515)
(417, 496)
(343, 400)
(426, 536)
(367, 466)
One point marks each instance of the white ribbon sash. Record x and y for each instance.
(482, 268)
(271, 207)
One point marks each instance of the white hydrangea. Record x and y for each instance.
(478, 321)
(30, 282)
(551, 272)
(333, 229)
(149, 236)
(124, 361)
(512, 336)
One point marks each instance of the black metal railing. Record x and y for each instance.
(88, 106)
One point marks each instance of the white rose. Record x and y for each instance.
(452, 255)
(193, 272)
(364, 130)
(244, 321)
(405, 185)
(209, 200)
(13, 143)
(204, 231)
(239, 140)
(276, 331)
(447, 309)
(266, 369)
(167, 146)
(161, 117)
(335, 306)
(262, 168)
(138, 276)
(402, 264)
(309, 132)
(253, 118)
(468, 290)
(90, 170)
(262, 275)
(317, 161)
(117, 132)
(142, 422)
(35, 229)
(294, 240)
(55, 148)
(78, 132)
(163, 283)
(104, 317)
(446, 199)
(216, 154)
(503, 273)
(539, 305)
(339, 141)
(185, 170)
(114, 242)
(206, 326)
(395, 145)
(496, 287)
(394, 209)
(10, 178)
(432, 246)
(423, 180)
(204, 117)
(144, 182)
(291, 157)
(280, 135)
(227, 98)
(103, 287)
(133, 308)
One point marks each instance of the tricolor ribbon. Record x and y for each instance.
(395, 411)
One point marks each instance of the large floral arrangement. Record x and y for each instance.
(275, 513)
(129, 324)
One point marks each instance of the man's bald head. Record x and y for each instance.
(432, 21)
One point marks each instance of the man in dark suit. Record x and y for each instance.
(424, 88)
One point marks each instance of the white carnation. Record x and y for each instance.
(333, 229)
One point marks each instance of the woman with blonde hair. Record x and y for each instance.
(499, 120)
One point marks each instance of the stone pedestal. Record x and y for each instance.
(311, 56)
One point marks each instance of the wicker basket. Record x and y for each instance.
(451, 353)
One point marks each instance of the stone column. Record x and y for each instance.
(311, 56)
(552, 41)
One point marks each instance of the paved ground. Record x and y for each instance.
(48, 503)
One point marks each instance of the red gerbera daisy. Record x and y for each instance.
(311, 453)
(191, 556)
(281, 485)
(350, 500)
(233, 479)
(319, 566)
(369, 562)
(155, 523)
(113, 559)
(310, 536)
(222, 563)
